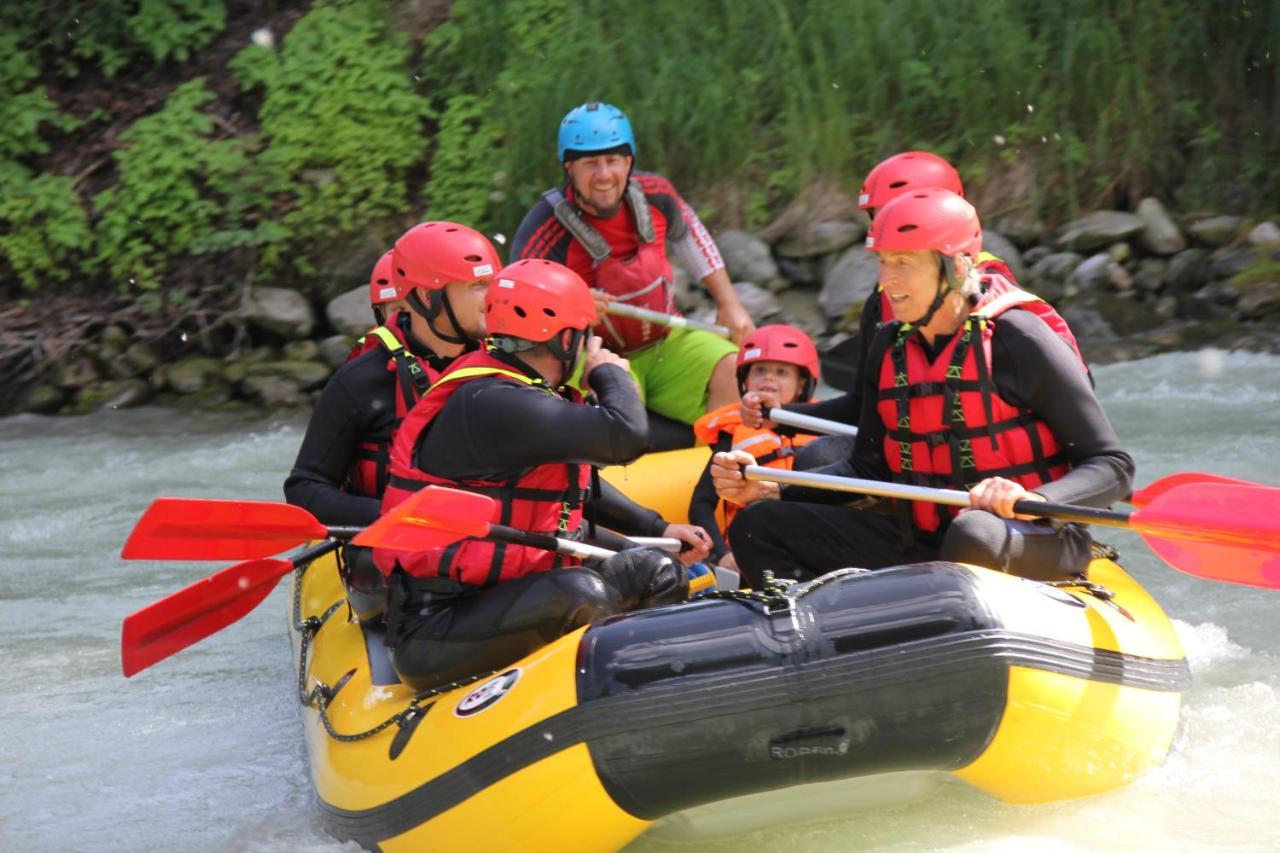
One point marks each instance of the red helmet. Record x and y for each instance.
(381, 288)
(787, 344)
(910, 170)
(534, 299)
(432, 254)
(932, 219)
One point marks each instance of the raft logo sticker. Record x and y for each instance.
(487, 694)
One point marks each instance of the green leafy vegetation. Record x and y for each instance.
(179, 191)
(348, 126)
(341, 120)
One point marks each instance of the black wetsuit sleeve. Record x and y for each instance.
(1034, 368)
(704, 503)
(347, 412)
(497, 429)
(612, 509)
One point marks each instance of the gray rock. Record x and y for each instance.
(998, 245)
(1216, 230)
(142, 357)
(1092, 274)
(75, 372)
(305, 374)
(301, 351)
(1034, 255)
(1188, 270)
(1226, 263)
(350, 314)
(124, 394)
(1119, 278)
(189, 375)
(1150, 275)
(1022, 228)
(1166, 307)
(1265, 234)
(281, 311)
(1159, 235)
(821, 238)
(1204, 305)
(799, 270)
(114, 336)
(273, 392)
(1049, 276)
(800, 309)
(748, 258)
(689, 293)
(335, 349)
(1120, 252)
(1098, 229)
(849, 282)
(760, 303)
(1260, 300)
(42, 400)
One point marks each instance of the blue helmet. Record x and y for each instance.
(594, 126)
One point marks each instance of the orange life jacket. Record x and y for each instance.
(769, 449)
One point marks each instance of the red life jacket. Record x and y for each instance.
(946, 425)
(644, 279)
(547, 499)
(770, 449)
(368, 476)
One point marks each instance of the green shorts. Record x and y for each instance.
(673, 373)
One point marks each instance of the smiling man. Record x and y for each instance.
(974, 384)
(612, 226)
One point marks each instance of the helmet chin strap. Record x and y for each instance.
(430, 310)
(567, 356)
(947, 283)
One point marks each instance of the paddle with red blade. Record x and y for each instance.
(194, 612)
(204, 529)
(432, 518)
(1146, 495)
(1214, 530)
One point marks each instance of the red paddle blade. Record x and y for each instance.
(431, 518)
(199, 529)
(1144, 496)
(1220, 531)
(189, 615)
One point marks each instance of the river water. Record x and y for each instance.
(204, 751)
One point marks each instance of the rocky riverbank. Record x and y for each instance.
(1131, 283)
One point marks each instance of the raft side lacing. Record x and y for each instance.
(773, 594)
(1097, 551)
(320, 695)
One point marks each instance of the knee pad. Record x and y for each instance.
(645, 577)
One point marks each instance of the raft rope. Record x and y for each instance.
(321, 694)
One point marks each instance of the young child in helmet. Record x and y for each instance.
(781, 361)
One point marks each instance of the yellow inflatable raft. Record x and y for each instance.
(1029, 691)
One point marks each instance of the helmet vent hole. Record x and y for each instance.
(401, 271)
(789, 345)
(384, 281)
(897, 184)
(472, 259)
(520, 312)
(548, 312)
(902, 229)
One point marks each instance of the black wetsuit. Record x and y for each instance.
(495, 429)
(811, 531)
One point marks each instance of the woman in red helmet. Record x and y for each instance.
(777, 360)
(501, 422)
(440, 270)
(973, 385)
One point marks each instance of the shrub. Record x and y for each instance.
(341, 122)
(45, 230)
(179, 191)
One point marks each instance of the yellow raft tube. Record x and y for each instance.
(1028, 691)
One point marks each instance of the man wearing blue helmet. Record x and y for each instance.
(612, 226)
